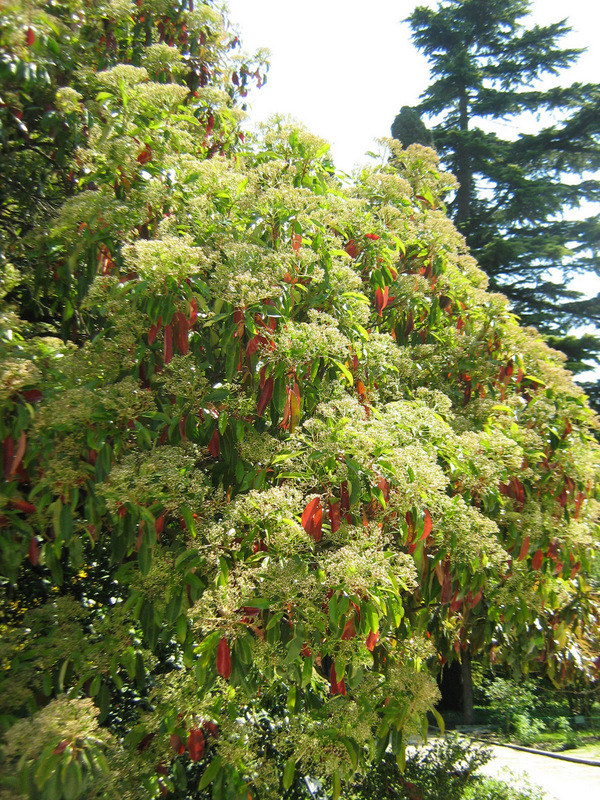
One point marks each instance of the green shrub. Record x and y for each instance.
(527, 729)
(509, 788)
(442, 769)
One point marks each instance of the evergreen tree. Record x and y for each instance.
(517, 194)
(409, 128)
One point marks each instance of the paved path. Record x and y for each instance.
(561, 780)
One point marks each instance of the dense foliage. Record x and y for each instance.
(272, 454)
(526, 154)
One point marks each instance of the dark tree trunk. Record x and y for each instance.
(463, 165)
(467, 688)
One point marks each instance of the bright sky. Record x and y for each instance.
(345, 67)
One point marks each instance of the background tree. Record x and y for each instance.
(287, 457)
(522, 199)
(409, 128)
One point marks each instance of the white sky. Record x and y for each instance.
(344, 68)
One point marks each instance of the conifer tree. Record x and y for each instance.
(517, 194)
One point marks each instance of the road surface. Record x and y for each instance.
(561, 780)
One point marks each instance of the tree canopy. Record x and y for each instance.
(272, 454)
(522, 199)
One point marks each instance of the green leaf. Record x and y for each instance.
(47, 764)
(357, 296)
(353, 751)
(258, 602)
(62, 674)
(336, 785)
(209, 773)
(345, 371)
(188, 518)
(145, 558)
(307, 671)
(294, 648)
(440, 720)
(291, 698)
(288, 772)
(72, 780)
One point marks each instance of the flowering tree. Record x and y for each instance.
(274, 456)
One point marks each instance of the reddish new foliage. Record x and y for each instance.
(336, 688)
(312, 517)
(224, 659)
(372, 640)
(196, 744)
(214, 446)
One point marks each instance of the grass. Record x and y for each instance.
(590, 750)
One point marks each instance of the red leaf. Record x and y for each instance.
(252, 347)
(193, 312)
(145, 155)
(32, 395)
(30, 37)
(372, 236)
(154, 329)
(427, 526)
(579, 501)
(361, 389)
(168, 344)
(385, 488)
(336, 688)
(294, 408)
(262, 378)
(316, 525)
(334, 516)
(181, 333)
(524, 549)
(34, 551)
(381, 299)
(296, 242)
(352, 249)
(214, 446)
(537, 560)
(177, 744)
(159, 524)
(575, 570)
(211, 729)
(446, 590)
(265, 397)
(372, 640)
(223, 659)
(22, 505)
(519, 491)
(456, 603)
(349, 630)
(312, 518)
(287, 411)
(18, 456)
(196, 744)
